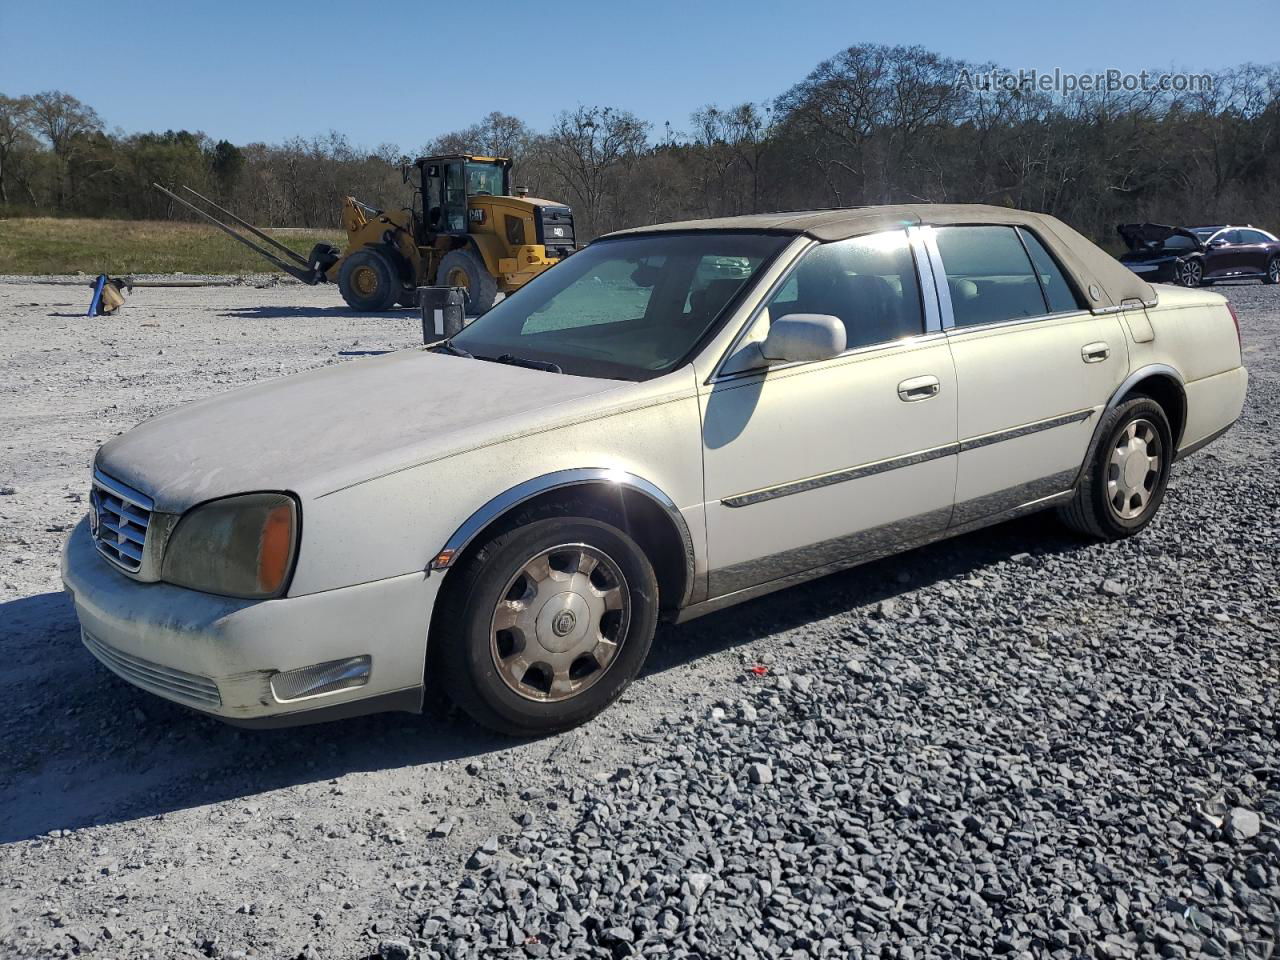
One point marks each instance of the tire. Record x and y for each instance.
(464, 268)
(1114, 498)
(1190, 273)
(1273, 271)
(408, 297)
(510, 647)
(369, 281)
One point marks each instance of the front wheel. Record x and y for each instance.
(369, 281)
(546, 624)
(1124, 481)
(1190, 273)
(1273, 271)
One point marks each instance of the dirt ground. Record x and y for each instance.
(294, 821)
(132, 827)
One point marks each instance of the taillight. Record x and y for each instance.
(1236, 320)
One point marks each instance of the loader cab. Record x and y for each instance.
(449, 181)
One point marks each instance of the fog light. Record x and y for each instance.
(320, 678)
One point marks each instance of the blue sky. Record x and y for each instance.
(268, 70)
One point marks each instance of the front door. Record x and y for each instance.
(809, 464)
(1035, 368)
(1225, 256)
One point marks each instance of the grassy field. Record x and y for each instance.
(43, 245)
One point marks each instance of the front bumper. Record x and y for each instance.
(529, 261)
(218, 654)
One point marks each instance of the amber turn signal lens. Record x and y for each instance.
(275, 549)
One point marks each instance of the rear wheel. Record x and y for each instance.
(464, 268)
(1273, 271)
(546, 624)
(1190, 273)
(1125, 480)
(367, 280)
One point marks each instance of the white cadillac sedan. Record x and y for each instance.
(675, 419)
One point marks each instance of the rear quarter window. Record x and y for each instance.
(1059, 293)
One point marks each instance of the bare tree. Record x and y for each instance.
(15, 134)
(589, 150)
(65, 122)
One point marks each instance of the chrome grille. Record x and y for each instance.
(166, 681)
(119, 521)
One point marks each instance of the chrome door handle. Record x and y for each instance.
(1095, 352)
(918, 388)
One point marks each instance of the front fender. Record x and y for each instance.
(559, 480)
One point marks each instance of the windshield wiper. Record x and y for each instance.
(447, 347)
(515, 361)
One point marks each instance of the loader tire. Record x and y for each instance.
(463, 268)
(369, 281)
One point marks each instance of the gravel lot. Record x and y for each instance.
(1013, 743)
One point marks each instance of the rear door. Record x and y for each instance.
(1254, 251)
(1034, 367)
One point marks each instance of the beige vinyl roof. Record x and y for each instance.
(1101, 277)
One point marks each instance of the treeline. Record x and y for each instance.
(873, 124)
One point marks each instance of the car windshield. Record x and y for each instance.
(629, 309)
(484, 178)
(1179, 241)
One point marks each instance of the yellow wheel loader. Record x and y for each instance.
(463, 229)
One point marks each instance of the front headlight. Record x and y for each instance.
(238, 547)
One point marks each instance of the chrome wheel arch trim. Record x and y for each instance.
(1118, 395)
(600, 477)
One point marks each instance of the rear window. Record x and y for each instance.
(1058, 292)
(989, 275)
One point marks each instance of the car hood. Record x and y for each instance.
(1149, 236)
(314, 432)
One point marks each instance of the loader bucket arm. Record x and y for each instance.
(305, 273)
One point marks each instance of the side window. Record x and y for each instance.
(1253, 236)
(989, 275)
(515, 230)
(1058, 291)
(868, 282)
(1231, 236)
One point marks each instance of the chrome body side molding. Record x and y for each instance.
(839, 476)
(907, 460)
(1026, 429)
(584, 476)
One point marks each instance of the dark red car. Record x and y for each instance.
(1191, 256)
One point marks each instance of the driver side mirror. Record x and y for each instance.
(804, 336)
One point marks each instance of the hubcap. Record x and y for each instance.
(1134, 469)
(458, 278)
(1274, 270)
(365, 280)
(1191, 273)
(560, 623)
